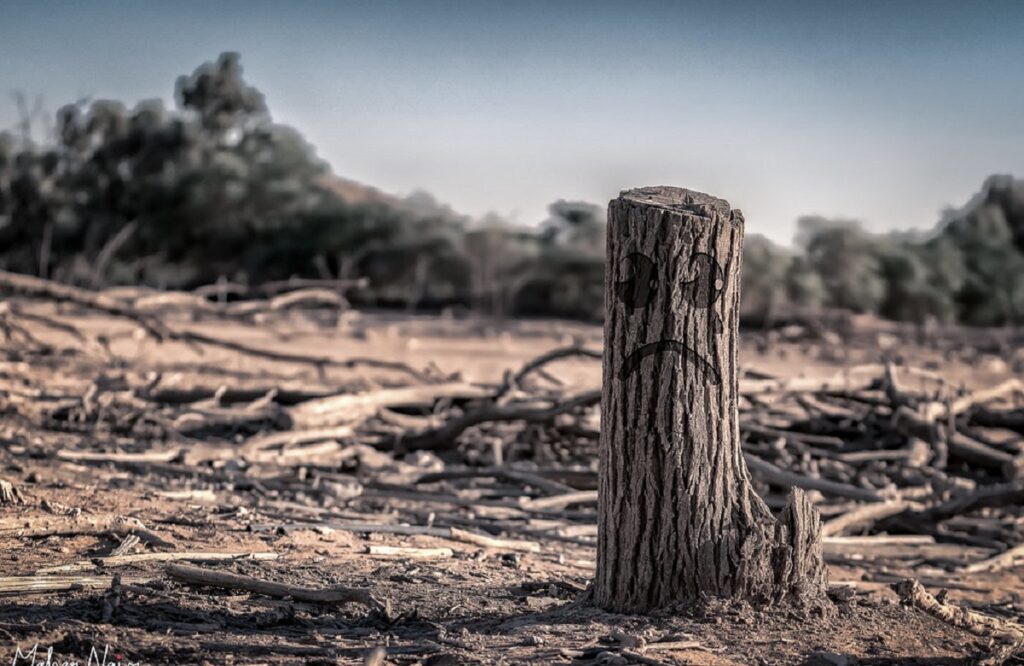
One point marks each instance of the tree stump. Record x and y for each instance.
(679, 520)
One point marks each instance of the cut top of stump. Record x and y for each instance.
(680, 200)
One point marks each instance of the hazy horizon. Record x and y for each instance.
(881, 112)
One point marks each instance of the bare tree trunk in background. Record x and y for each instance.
(420, 282)
(109, 251)
(678, 517)
(322, 269)
(45, 245)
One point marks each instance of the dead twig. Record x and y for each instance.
(446, 437)
(16, 586)
(411, 553)
(1003, 560)
(352, 407)
(785, 478)
(141, 558)
(503, 473)
(1008, 636)
(560, 501)
(28, 285)
(165, 455)
(330, 595)
(516, 380)
(864, 516)
(99, 525)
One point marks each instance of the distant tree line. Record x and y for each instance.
(214, 188)
(969, 269)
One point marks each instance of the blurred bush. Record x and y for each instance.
(214, 187)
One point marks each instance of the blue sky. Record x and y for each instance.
(879, 111)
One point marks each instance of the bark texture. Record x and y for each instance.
(678, 518)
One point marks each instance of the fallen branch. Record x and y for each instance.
(320, 362)
(330, 595)
(785, 478)
(913, 424)
(940, 410)
(28, 285)
(503, 473)
(996, 495)
(44, 321)
(411, 553)
(864, 516)
(305, 297)
(1009, 634)
(446, 437)
(484, 541)
(532, 366)
(451, 533)
(141, 558)
(32, 286)
(14, 586)
(560, 501)
(179, 395)
(280, 286)
(103, 525)
(165, 455)
(351, 407)
(1003, 560)
(840, 382)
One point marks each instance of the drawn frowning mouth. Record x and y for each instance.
(632, 362)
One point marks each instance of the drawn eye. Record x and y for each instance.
(706, 286)
(638, 288)
(708, 281)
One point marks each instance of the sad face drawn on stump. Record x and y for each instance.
(703, 286)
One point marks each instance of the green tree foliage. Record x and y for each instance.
(914, 277)
(206, 188)
(568, 277)
(214, 187)
(847, 259)
(989, 236)
(766, 267)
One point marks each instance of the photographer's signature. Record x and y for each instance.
(38, 656)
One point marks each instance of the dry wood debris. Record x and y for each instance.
(908, 471)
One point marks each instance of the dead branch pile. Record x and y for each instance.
(908, 471)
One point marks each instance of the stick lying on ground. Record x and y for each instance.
(38, 287)
(506, 473)
(451, 533)
(863, 516)
(773, 474)
(410, 553)
(279, 286)
(287, 357)
(165, 455)
(330, 595)
(1009, 634)
(351, 407)
(446, 437)
(15, 586)
(122, 560)
(555, 354)
(1003, 560)
(28, 285)
(95, 525)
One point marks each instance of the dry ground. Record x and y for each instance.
(477, 605)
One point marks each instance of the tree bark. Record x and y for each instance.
(679, 520)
